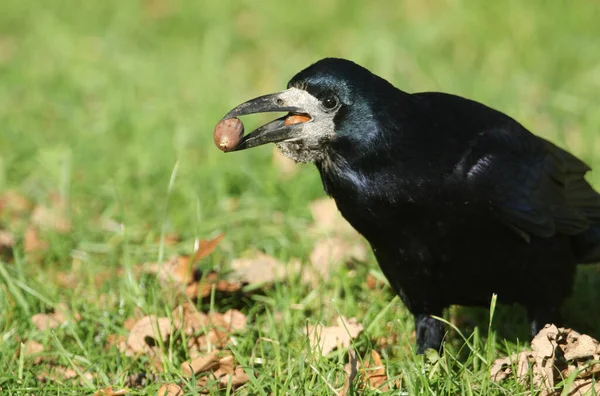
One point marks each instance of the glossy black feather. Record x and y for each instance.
(457, 200)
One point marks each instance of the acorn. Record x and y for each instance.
(228, 133)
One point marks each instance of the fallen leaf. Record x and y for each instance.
(170, 390)
(259, 269)
(189, 319)
(544, 349)
(331, 252)
(7, 242)
(375, 372)
(181, 269)
(237, 378)
(171, 239)
(206, 331)
(579, 346)
(45, 321)
(203, 287)
(60, 373)
(129, 323)
(178, 269)
(326, 339)
(146, 332)
(223, 369)
(32, 243)
(556, 354)
(118, 340)
(201, 364)
(351, 369)
(235, 320)
(142, 379)
(33, 349)
(54, 219)
(206, 247)
(371, 373)
(109, 391)
(328, 219)
(584, 387)
(14, 203)
(226, 366)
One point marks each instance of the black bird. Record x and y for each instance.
(457, 200)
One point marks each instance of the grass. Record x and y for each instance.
(101, 102)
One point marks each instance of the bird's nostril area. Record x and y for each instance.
(279, 102)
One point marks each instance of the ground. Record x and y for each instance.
(107, 166)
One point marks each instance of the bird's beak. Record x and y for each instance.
(277, 130)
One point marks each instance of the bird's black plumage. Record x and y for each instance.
(458, 201)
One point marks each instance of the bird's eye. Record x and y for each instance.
(330, 102)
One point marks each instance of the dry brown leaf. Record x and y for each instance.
(286, 166)
(226, 366)
(375, 372)
(189, 319)
(60, 373)
(13, 202)
(373, 283)
(326, 339)
(170, 390)
(206, 331)
(203, 287)
(235, 320)
(237, 378)
(171, 239)
(206, 247)
(351, 369)
(33, 349)
(54, 219)
(544, 352)
(584, 387)
(109, 391)
(149, 328)
(129, 323)
(331, 252)
(178, 269)
(579, 346)
(45, 321)
(554, 349)
(328, 220)
(221, 368)
(371, 373)
(500, 370)
(118, 340)
(32, 243)
(261, 268)
(201, 364)
(7, 241)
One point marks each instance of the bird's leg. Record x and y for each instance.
(541, 316)
(430, 333)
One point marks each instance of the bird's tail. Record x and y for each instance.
(587, 245)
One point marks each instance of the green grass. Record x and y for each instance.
(101, 101)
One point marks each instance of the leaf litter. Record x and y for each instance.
(327, 338)
(557, 354)
(368, 374)
(207, 334)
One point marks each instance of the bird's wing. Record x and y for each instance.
(533, 186)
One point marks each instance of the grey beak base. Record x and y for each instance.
(272, 132)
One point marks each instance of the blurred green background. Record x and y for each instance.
(99, 100)
(104, 102)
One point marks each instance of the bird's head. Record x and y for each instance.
(330, 102)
